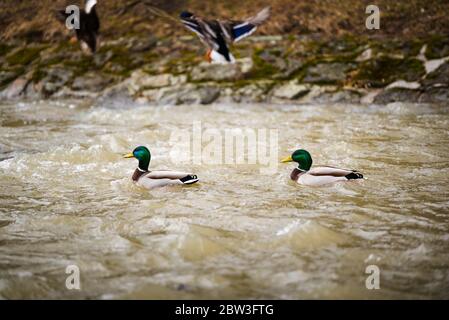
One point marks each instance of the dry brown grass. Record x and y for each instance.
(34, 20)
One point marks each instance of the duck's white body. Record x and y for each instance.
(158, 179)
(89, 5)
(320, 176)
(218, 58)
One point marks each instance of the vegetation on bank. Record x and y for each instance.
(33, 20)
(268, 62)
(317, 48)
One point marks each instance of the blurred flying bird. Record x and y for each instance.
(89, 26)
(217, 35)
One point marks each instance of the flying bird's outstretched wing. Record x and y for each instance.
(217, 34)
(211, 31)
(203, 29)
(237, 30)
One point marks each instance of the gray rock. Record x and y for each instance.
(432, 65)
(55, 79)
(365, 55)
(333, 72)
(151, 95)
(172, 95)
(274, 58)
(251, 92)
(184, 94)
(101, 58)
(216, 72)
(92, 82)
(340, 96)
(331, 94)
(34, 90)
(66, 92)
(368, 96)
(435, 95)
(282, 66)
(254, 92)
(202, 95)
(316, 91)
(291, 90)
(51, 87)
(246, 65)
(16, 88)
(140, 80)
(117, 95)
(404, 85)
(438, 77)
(116, 68)
(397, 95)
(289, 68)
(6, 77)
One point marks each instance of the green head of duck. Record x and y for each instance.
(143, 155)
(302, 158)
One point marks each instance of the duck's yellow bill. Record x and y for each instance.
(128, 156)
(288, 159)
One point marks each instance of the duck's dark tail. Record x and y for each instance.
(354, 176)
(190, 179)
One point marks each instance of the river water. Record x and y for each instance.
(67, 199)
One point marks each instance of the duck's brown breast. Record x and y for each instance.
(295, 174)
(137, 174)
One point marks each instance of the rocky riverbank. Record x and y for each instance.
(270, 69)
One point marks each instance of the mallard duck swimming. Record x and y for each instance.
(217, 34)
(317, 176)
(156, 179)
(89, 26)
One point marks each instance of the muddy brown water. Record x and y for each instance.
(67, 199)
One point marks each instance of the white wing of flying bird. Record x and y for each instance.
(89, 5)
